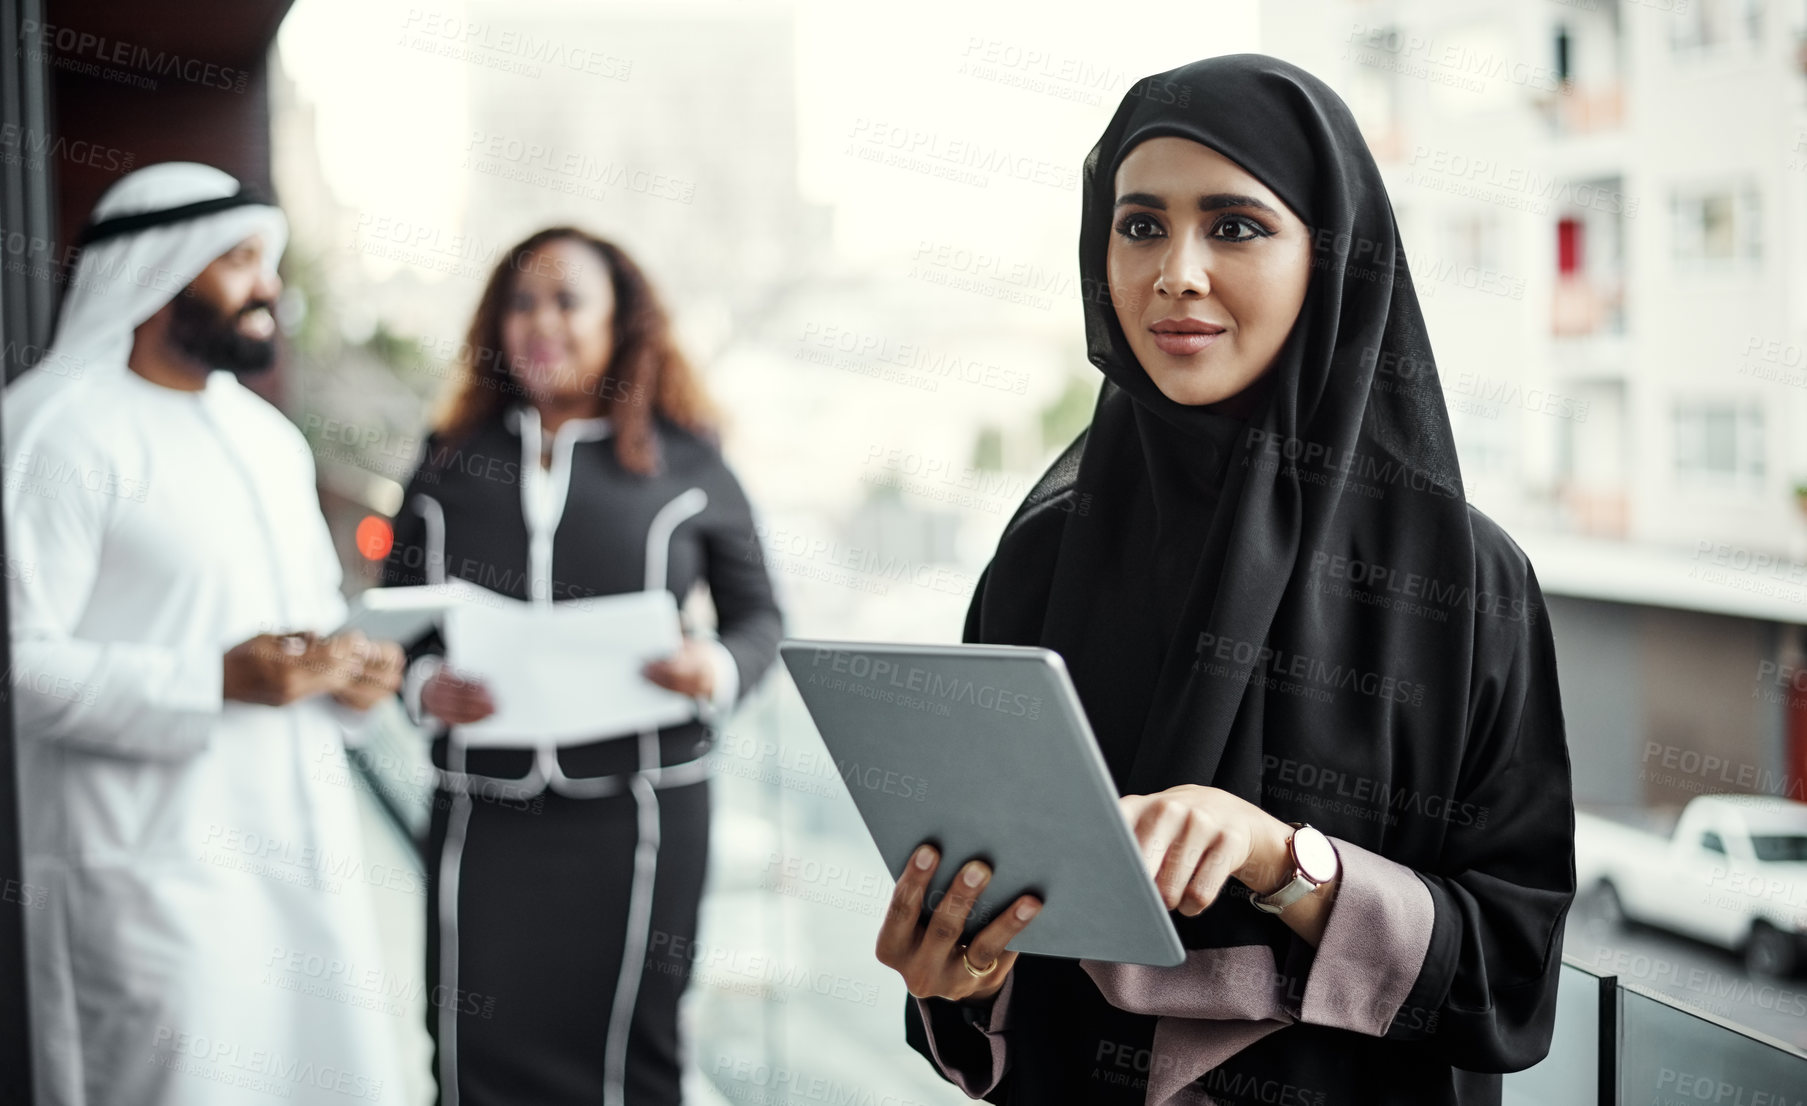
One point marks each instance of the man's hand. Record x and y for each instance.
(275, 670)
(371, 670)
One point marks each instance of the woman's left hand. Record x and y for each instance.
(689, 671)
(1194, 838)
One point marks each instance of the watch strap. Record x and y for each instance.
(1286, 896)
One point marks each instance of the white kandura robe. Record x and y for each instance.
(200, 927)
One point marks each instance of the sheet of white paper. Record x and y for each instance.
(569, 671)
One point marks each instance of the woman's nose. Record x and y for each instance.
(547, 320)
(1183, 270)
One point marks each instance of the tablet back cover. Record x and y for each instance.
(984, 751)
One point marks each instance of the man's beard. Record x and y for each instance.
(211, 337)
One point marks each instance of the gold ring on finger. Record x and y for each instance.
(975, 972)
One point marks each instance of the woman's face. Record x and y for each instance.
(1207, 269)
(556, 323)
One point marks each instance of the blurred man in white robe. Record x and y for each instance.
(205, 934)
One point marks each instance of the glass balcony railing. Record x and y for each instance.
(784, 958)
(1617, 1042)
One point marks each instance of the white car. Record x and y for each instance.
(1733, 874)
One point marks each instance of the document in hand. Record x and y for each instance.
(567, 672)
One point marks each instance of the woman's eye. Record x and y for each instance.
(1244, 227)
(567, 302)
(1137, 228)
(521, 304)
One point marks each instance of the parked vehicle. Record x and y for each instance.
(1733, 874)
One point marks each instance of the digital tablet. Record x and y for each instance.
(407, 614)
(404, 614)
(985, 752)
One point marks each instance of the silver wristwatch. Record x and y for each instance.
(1314, 864)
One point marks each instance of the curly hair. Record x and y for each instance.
(644, 360)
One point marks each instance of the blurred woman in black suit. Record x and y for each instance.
(578, 459)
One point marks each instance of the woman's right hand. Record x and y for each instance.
(455, 700)
(929, 956)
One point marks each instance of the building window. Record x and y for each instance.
(1568, 247)
(1715, 226)
(1720, 443)
(1590, 283)
(1708, 24)
(1468, 240)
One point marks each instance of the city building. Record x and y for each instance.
(1603, 204)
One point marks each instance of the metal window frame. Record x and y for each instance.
(27, 215)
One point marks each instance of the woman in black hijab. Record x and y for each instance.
(1324, 683)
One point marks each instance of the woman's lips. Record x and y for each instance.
(1184, 343)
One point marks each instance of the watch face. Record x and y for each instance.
(1314, 854)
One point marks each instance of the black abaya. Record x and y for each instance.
(1351, 645)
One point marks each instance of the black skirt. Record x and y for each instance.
(561, 929)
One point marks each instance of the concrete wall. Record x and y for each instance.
(1662, 704)
(1598, 667)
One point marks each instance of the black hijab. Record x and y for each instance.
(1191, 567)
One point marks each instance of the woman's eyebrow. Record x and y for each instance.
(1215, 201)
(1142, 199)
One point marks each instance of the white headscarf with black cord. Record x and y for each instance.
(195, 214)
